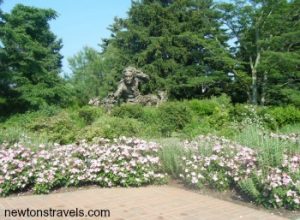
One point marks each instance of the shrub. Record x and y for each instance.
(284, 115)
(122, 162)
(90, 113)
(207, 107)
(292, 128)
(219, 118)
(173, 117)
(170, 155)
(15, 168)
(272, 183)
(197, 126)
(62, 128)
(150, 115)
(251, 188)
(11, 134)
(242, 111)
(247, 115)
(128, 111)
(274, 189)
(112, 127)
(203, 107)
(25, 120)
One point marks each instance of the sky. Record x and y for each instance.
(80, 23)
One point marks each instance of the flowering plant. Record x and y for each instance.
(121, 162)
(230, 165)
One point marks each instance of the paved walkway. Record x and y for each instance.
(155, 202)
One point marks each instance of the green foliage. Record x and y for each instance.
(90, 113)
(173, 116)
(185, 119)
(266, 49)
(111, 127)
(170, 155)
(31, 61)
(271, 150)
(209, 116)
(249, 188)
(246, 115)
(150, 115)
(220, 117)
(290, 128)
(11, 134)
(203, 107)
(128, 111)
(17, 127)
(88, 75)
(285, 115)
(62, 128)
(180, 45)
(197, 126)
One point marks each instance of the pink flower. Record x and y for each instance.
(286, 179)
(291, 193)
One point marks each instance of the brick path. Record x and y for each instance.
(146, 203)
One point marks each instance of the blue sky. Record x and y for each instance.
(80, 23)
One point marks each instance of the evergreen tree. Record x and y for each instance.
(31, 58)
(179, 43)
(3, 74)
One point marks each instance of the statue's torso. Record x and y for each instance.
(131, 92)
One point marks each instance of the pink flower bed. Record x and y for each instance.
(122, 162)
(230, 165)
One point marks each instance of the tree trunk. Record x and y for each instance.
(254, 87)
(254, 78)
(263, 88)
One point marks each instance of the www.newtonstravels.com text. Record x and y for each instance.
(56, 213)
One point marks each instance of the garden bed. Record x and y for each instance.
(121, 162)
(268, 175)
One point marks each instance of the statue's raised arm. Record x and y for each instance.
(140, 75)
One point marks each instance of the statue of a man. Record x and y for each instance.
(128, 87)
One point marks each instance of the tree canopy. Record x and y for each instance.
(180, 44)
(267, 45)
(248, 49)
(31, 60)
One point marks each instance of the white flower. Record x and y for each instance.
(215, 177)
(194, 180)
(277, 199)
(200, 176)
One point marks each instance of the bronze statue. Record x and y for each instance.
(128, 91)
(128, 88)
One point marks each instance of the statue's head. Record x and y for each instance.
(128, 75)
